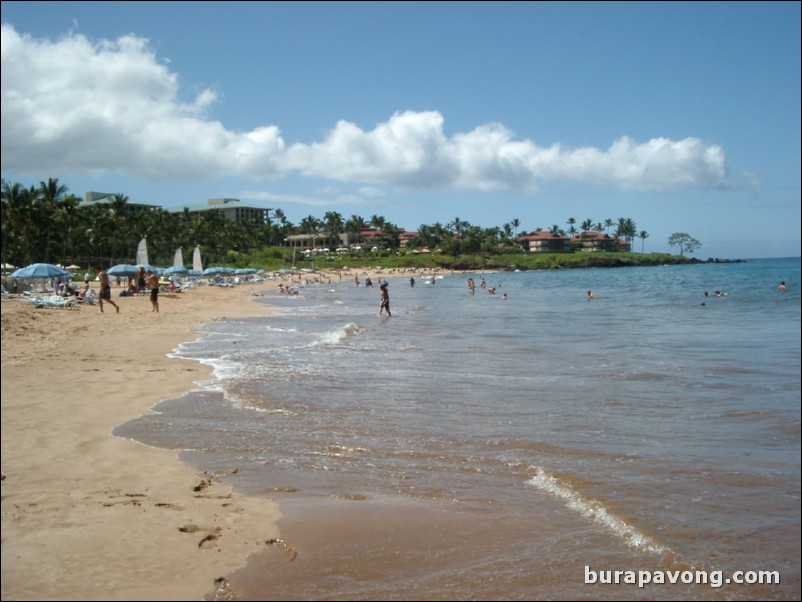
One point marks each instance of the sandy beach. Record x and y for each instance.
(88, 516)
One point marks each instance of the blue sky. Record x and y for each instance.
(682, 116)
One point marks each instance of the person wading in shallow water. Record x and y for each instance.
(384, 300)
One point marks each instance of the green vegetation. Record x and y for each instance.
(684, 241)
(47, 224)
(499, 262)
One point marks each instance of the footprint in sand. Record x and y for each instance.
(208, 540)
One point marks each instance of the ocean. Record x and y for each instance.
(526, 444)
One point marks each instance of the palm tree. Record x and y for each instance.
(643, 235)
(47, 197)
(391, 238)
(67, 221)
(586, 226)
(125, 233)
(427, 237)
(459, 226)
(354, 227)
(377, 221)
(280, 231)
(626, 229)
(334, 224)
(52, 191)
(18, 224)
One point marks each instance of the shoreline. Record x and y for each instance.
(87, 515)
(136, 525)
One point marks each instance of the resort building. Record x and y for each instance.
(544, 241)
(107, 198)
(596, 241)
(232, 209)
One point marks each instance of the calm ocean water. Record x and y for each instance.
(476, 447)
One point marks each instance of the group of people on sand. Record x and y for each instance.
(150, 280)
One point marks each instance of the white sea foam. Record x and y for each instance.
(595, 511)
(338, 335)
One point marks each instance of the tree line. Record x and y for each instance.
(46, 223)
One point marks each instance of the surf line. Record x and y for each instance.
(595, 512)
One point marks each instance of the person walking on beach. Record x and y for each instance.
(105, 290)
(140, 279)
(152, 283)
(384, 300)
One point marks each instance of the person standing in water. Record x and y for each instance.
(384, 300)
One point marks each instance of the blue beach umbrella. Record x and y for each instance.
(41, 270)
(122, 269)
(217, 270)
(153, 268)
(176, 270)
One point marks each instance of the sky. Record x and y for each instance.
(684, 117)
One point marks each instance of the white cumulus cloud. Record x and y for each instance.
(76, 106)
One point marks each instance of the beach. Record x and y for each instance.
(476, 447)
(89, 516)
(250, 444)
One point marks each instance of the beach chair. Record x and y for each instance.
(52, 301)
(32, 298)
(58, 302)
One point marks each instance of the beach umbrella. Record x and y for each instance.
(122, 269)
(41, 270)
(212, 271)
(176, 270)
(153, 269)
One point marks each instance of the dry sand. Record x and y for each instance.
(88, 516)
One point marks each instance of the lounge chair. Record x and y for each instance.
(52, 301)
